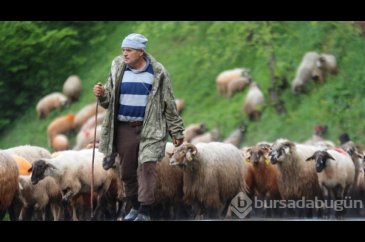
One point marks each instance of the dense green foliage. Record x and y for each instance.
(194, 53)
(36, 57)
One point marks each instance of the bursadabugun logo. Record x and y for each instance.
(241, 205)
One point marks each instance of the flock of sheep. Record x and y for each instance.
(313, 67)
(197, 180)
(194, 181)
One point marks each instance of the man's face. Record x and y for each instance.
(132, 56)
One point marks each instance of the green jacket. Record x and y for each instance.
(160, 118)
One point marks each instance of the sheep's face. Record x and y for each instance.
(259, 154)
(256, 156)
(182, 155)
(320, 158)
(38, 168)
(279, 152)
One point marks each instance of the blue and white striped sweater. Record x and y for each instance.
(134, 90)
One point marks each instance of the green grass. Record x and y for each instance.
(196, 52)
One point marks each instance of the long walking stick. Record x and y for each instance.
(92, 163)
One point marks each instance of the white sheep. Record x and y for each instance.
(72, 171)
(336, 173)
(72, 87)
(29, 152)
(253, 102)
(39, 196)
(213, 174)
(235, 138)
(325, 64)
(304, 72)
(49, 102)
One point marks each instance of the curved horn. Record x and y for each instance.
(192, 147)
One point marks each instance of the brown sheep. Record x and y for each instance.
(224, 78)
(60, 142)
(72, 87)
(49, 102)
(207, 137)
(59, 125)
(237, 85)
(193, 130)
(9, 174)
(264, 174)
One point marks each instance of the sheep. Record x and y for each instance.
(22, 163)
(86, 136)
(265, 174)
(72, 87)
(235, 138)
(193, 130)
(60, 142)
(237, 85)
(29, 152)
(85, 113)
(356, 154)
(317, 138)
(304, 72)
(297, 179)
(180, 104)
(91, 122)
(325, 64)
(253, 102)
(336, 173)
(71, 170)
(59, 125)
(169, 187)
(224, 78)
(39, 196)
(9, 174)
(210, 136)
(49, 102)
(213, 174)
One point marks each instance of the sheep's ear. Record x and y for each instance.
(310, 158)
(330, 156)
(30, 169)
(287, 146)
(359, 155)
